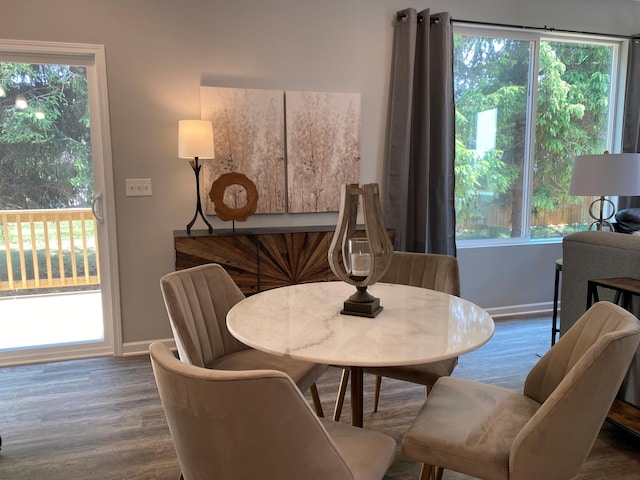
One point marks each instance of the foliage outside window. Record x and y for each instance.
(45, 147)
(525, 107)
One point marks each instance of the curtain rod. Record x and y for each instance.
(402, 16)
(546, 29)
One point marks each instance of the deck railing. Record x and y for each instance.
(48, 249)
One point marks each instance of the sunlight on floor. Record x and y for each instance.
(56, 319)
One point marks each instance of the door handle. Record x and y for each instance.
(96, 208)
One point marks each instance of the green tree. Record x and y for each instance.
(45, 148)
(573, 98)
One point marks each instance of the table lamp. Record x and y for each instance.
(606, 174)
(195, 141)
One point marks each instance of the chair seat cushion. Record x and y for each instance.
(468, 427)
(369, 454)
(422, 374)
(304, 374)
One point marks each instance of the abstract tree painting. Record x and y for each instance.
(248, 134)
(323, 148)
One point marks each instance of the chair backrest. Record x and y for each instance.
(426, 270)
(242, 424)
(576, 381)
(197, 301)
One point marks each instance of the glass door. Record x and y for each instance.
(56, 289)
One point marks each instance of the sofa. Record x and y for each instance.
(596, 255)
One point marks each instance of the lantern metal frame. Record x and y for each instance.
(361, 303)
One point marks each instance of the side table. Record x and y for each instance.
(622, 413)
(625, 288)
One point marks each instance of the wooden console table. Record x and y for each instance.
(261, 258)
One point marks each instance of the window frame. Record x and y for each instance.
(620, 48)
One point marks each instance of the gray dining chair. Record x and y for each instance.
(426, 270)
(546, 432)
(197, 301)
(219, 430)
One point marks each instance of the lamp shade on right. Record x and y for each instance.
(606, 174)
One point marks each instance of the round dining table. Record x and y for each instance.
(416, 325)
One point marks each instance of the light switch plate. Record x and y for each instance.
(138, 187)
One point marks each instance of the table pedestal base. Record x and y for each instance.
(357, 407)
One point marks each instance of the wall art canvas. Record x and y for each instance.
(248, 130)
(323, 148)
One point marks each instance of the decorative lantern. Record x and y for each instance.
(365, 255)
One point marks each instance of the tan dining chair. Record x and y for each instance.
(426, 270)
(220, 430)
(197, 301)
(546, 432)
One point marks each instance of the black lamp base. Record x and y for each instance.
(196, 170)
(193, 220)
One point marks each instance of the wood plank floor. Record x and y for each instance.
(102, 419)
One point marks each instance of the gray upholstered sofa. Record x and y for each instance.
(594, 255)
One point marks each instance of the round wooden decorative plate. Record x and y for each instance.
(218, 189)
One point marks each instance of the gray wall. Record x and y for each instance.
(159, 52)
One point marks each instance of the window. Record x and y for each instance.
(526, 105)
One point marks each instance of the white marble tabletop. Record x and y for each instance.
(303, 321)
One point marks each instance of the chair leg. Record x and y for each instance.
(376, 400)
(344, 381)
(431, 472)
(438, 472)
(426, 472)
(316, 400)
(377, 394)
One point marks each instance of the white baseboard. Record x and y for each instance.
(544, 308)
(142, 348)
(26, 356)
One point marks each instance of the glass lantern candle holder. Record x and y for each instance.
(356, 257)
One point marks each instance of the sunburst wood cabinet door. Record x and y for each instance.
(261, 259)
(237, 253)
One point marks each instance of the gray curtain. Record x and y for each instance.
(419, 202)
(631, 126)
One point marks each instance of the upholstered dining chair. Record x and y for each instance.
(546, 432)
(197, 301)
(219, 430)
(426, 270)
